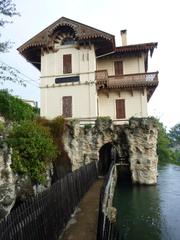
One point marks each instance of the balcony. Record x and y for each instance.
(127, 81)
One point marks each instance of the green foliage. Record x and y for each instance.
(174, 135)
(177, 156)
(56, 127)
(87, 127)
(33, 150)
(104, 122)
(14, 109)
(165, 153)
(1, 127)
(104, 119)
(62, 164)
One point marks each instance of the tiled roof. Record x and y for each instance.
(82, 32)
(137, 48)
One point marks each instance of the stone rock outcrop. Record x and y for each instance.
(135, 141)
(15, 188)
(142, 138)
(83, 143)
(7, 183)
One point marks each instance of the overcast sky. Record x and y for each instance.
(145, 21)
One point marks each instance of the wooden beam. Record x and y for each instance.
(132, 93)
(143, 91)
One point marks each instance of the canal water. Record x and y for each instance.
(150, 212)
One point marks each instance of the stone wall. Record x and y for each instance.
(139, 137)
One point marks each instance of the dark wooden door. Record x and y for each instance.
(67, 63)
(67, 106)
(118, 67)
(120, 109)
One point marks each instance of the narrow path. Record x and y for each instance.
(84, 224)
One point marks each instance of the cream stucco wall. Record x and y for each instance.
(130, 64)
(83, 61)
(84, 95)
(135, 103)
(84, 100)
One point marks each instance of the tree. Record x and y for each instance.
(7, 73)
(32, 150)
(174, 135)
(164, 151)
(7, 10)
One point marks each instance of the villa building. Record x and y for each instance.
(85, 75)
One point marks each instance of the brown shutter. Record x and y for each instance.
(67, 106)
(120, 109)
(67, 63)
(118, 67)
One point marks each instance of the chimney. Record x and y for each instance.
(124, 37)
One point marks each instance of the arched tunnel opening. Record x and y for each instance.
(117, 152)
(105, 158)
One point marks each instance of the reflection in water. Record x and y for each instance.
(150, 212)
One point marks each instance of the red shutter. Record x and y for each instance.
(67, 106)
(118, 67)
(120, 109)
(67, 63)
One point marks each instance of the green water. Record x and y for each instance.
(150, 212)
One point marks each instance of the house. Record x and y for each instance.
(85, 75)
(32, 103)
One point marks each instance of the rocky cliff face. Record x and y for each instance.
(135, 141)
(14, 188)
(142, 138)
(7, 183)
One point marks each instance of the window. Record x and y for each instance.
(68, 41)
(67, 106)
(67, 63)
(120, 109)
(118, 67)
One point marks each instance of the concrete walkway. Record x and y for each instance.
(84, 224)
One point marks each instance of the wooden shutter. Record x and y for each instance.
(67, 63)
(118, 67)
(67, 106)
(120, 109)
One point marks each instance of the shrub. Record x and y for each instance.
(87, 126)
(62, 164)
(14, 109)
(33, 150)
(103, 122)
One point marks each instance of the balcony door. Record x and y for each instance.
(118, 67)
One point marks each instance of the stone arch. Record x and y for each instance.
(84, 145)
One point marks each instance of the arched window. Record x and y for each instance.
(68, 41)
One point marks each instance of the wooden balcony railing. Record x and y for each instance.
(126, 80)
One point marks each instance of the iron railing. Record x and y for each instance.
(125, 80)
(107, 229)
